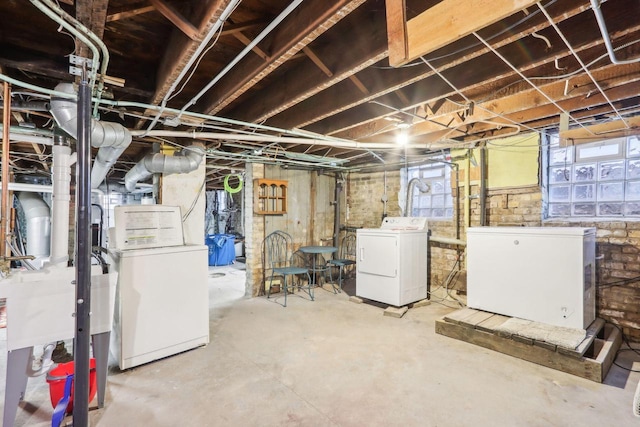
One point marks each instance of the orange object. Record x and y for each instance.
(58, 376)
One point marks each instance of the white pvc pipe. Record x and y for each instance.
(61, 175)
(244, 52)
(595, 5)
(268, 138)
(105, 52)
(34, 188)
(582, 64)
(196, 55)
(94, 70)
(199, 116)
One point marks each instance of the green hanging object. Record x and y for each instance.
(230, 190)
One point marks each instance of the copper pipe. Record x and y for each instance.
(4, 211)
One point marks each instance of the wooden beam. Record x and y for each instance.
(397, 31)
(600, 132)
(295, 32)
(361, 87)
(316, 60)
(470, 76)
(41, 156)
(366, 44)
(176, 18)
(427, 87)
(231, 28)
(245, 40)
(130, 11)
(444, 23)
(180, 49)
(92, 14)
(525, 106)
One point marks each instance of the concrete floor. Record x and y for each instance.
(333, 362)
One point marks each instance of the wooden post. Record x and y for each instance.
(6, 206)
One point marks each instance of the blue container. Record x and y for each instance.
(221, 249)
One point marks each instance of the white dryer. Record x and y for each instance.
(392, 262)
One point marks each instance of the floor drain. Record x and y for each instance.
(215, 275)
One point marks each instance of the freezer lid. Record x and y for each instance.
(533, 231)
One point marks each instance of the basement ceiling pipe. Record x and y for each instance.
(38, 223)
(60, 200)
(595, 5)
(111, 138)
(187, 160)
(284, 139)
(196, 56)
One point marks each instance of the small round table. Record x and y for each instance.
(314, 251)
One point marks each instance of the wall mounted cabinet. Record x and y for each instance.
(270, 196)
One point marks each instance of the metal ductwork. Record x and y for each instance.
(423, 186)
(187, 160)
(110, 138)
(38, 224)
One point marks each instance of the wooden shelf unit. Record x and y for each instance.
(270, 196)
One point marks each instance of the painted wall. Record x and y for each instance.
(187, 190)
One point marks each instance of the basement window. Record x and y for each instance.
(437, 202)
(600, 179)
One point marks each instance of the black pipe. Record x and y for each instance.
(30, 106)
(101, 223)
(83, 259)
(336, 212)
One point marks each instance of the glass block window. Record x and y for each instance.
(437, 203)
(600, 179)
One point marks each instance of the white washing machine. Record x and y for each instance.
(162, 301)
(392, 262)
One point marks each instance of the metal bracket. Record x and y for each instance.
(77, 62)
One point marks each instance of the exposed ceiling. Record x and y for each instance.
(317, 89)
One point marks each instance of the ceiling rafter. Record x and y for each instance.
(176, 19)
(480, 72)
(130, 11)
(295, 32)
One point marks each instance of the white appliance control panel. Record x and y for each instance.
(404, 223)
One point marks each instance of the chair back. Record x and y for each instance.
(276, 250)
(348, 247)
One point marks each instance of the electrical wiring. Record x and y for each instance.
(204, 52)
(625, 339)
(445, 285)
(621, 282)
(195, 200)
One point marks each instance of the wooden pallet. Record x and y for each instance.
(591, 359)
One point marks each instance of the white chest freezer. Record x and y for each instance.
(392, 261)
(544, 274)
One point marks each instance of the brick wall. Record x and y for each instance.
(364, 198)
(617, 243)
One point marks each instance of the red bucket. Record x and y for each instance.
(58, 376)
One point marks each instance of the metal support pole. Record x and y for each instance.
(336, 212)
(83, 259)
(483, 187)
(6, 207)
